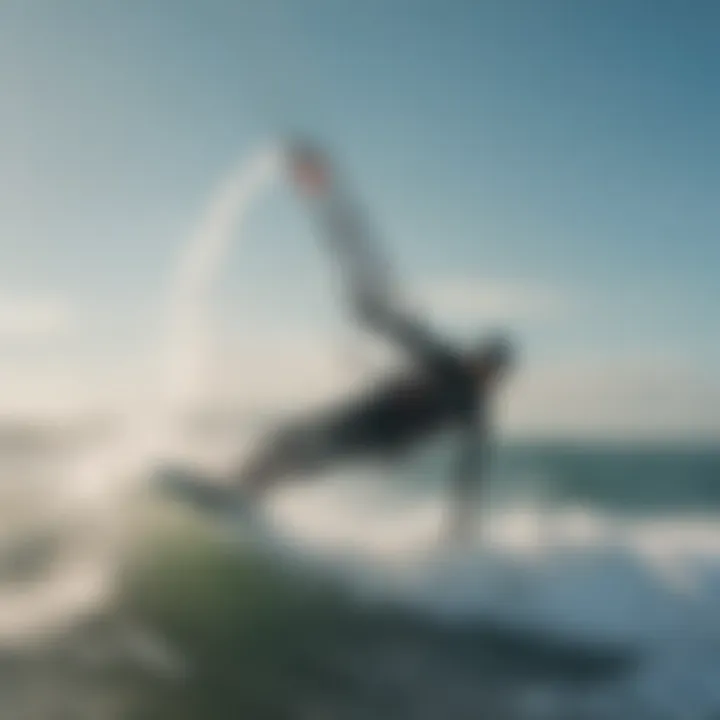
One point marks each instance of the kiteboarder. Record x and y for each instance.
(443, 388)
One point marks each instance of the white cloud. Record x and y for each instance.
(621, 397)
(631, 398)
(34, 318)
(296, 369)
(480, 299)
(43, 392)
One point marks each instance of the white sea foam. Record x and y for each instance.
(649, 585)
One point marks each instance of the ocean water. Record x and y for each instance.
(591, 589)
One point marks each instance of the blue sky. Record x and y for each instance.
(532, 148)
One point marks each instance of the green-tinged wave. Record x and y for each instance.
(256, 634)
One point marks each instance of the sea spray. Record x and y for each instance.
(189, 344)
(79, 512)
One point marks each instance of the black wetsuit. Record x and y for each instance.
(440, 392)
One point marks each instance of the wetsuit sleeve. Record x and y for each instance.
(410, 334)
(368, 282)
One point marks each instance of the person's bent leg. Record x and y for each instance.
(295, 451)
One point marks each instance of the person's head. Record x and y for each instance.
(492, 358)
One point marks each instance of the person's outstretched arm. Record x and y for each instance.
(365, 271)
(370, 289)
(407, 332)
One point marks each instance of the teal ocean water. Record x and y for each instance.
(643, 479)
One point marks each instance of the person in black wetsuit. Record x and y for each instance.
(444, 389)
